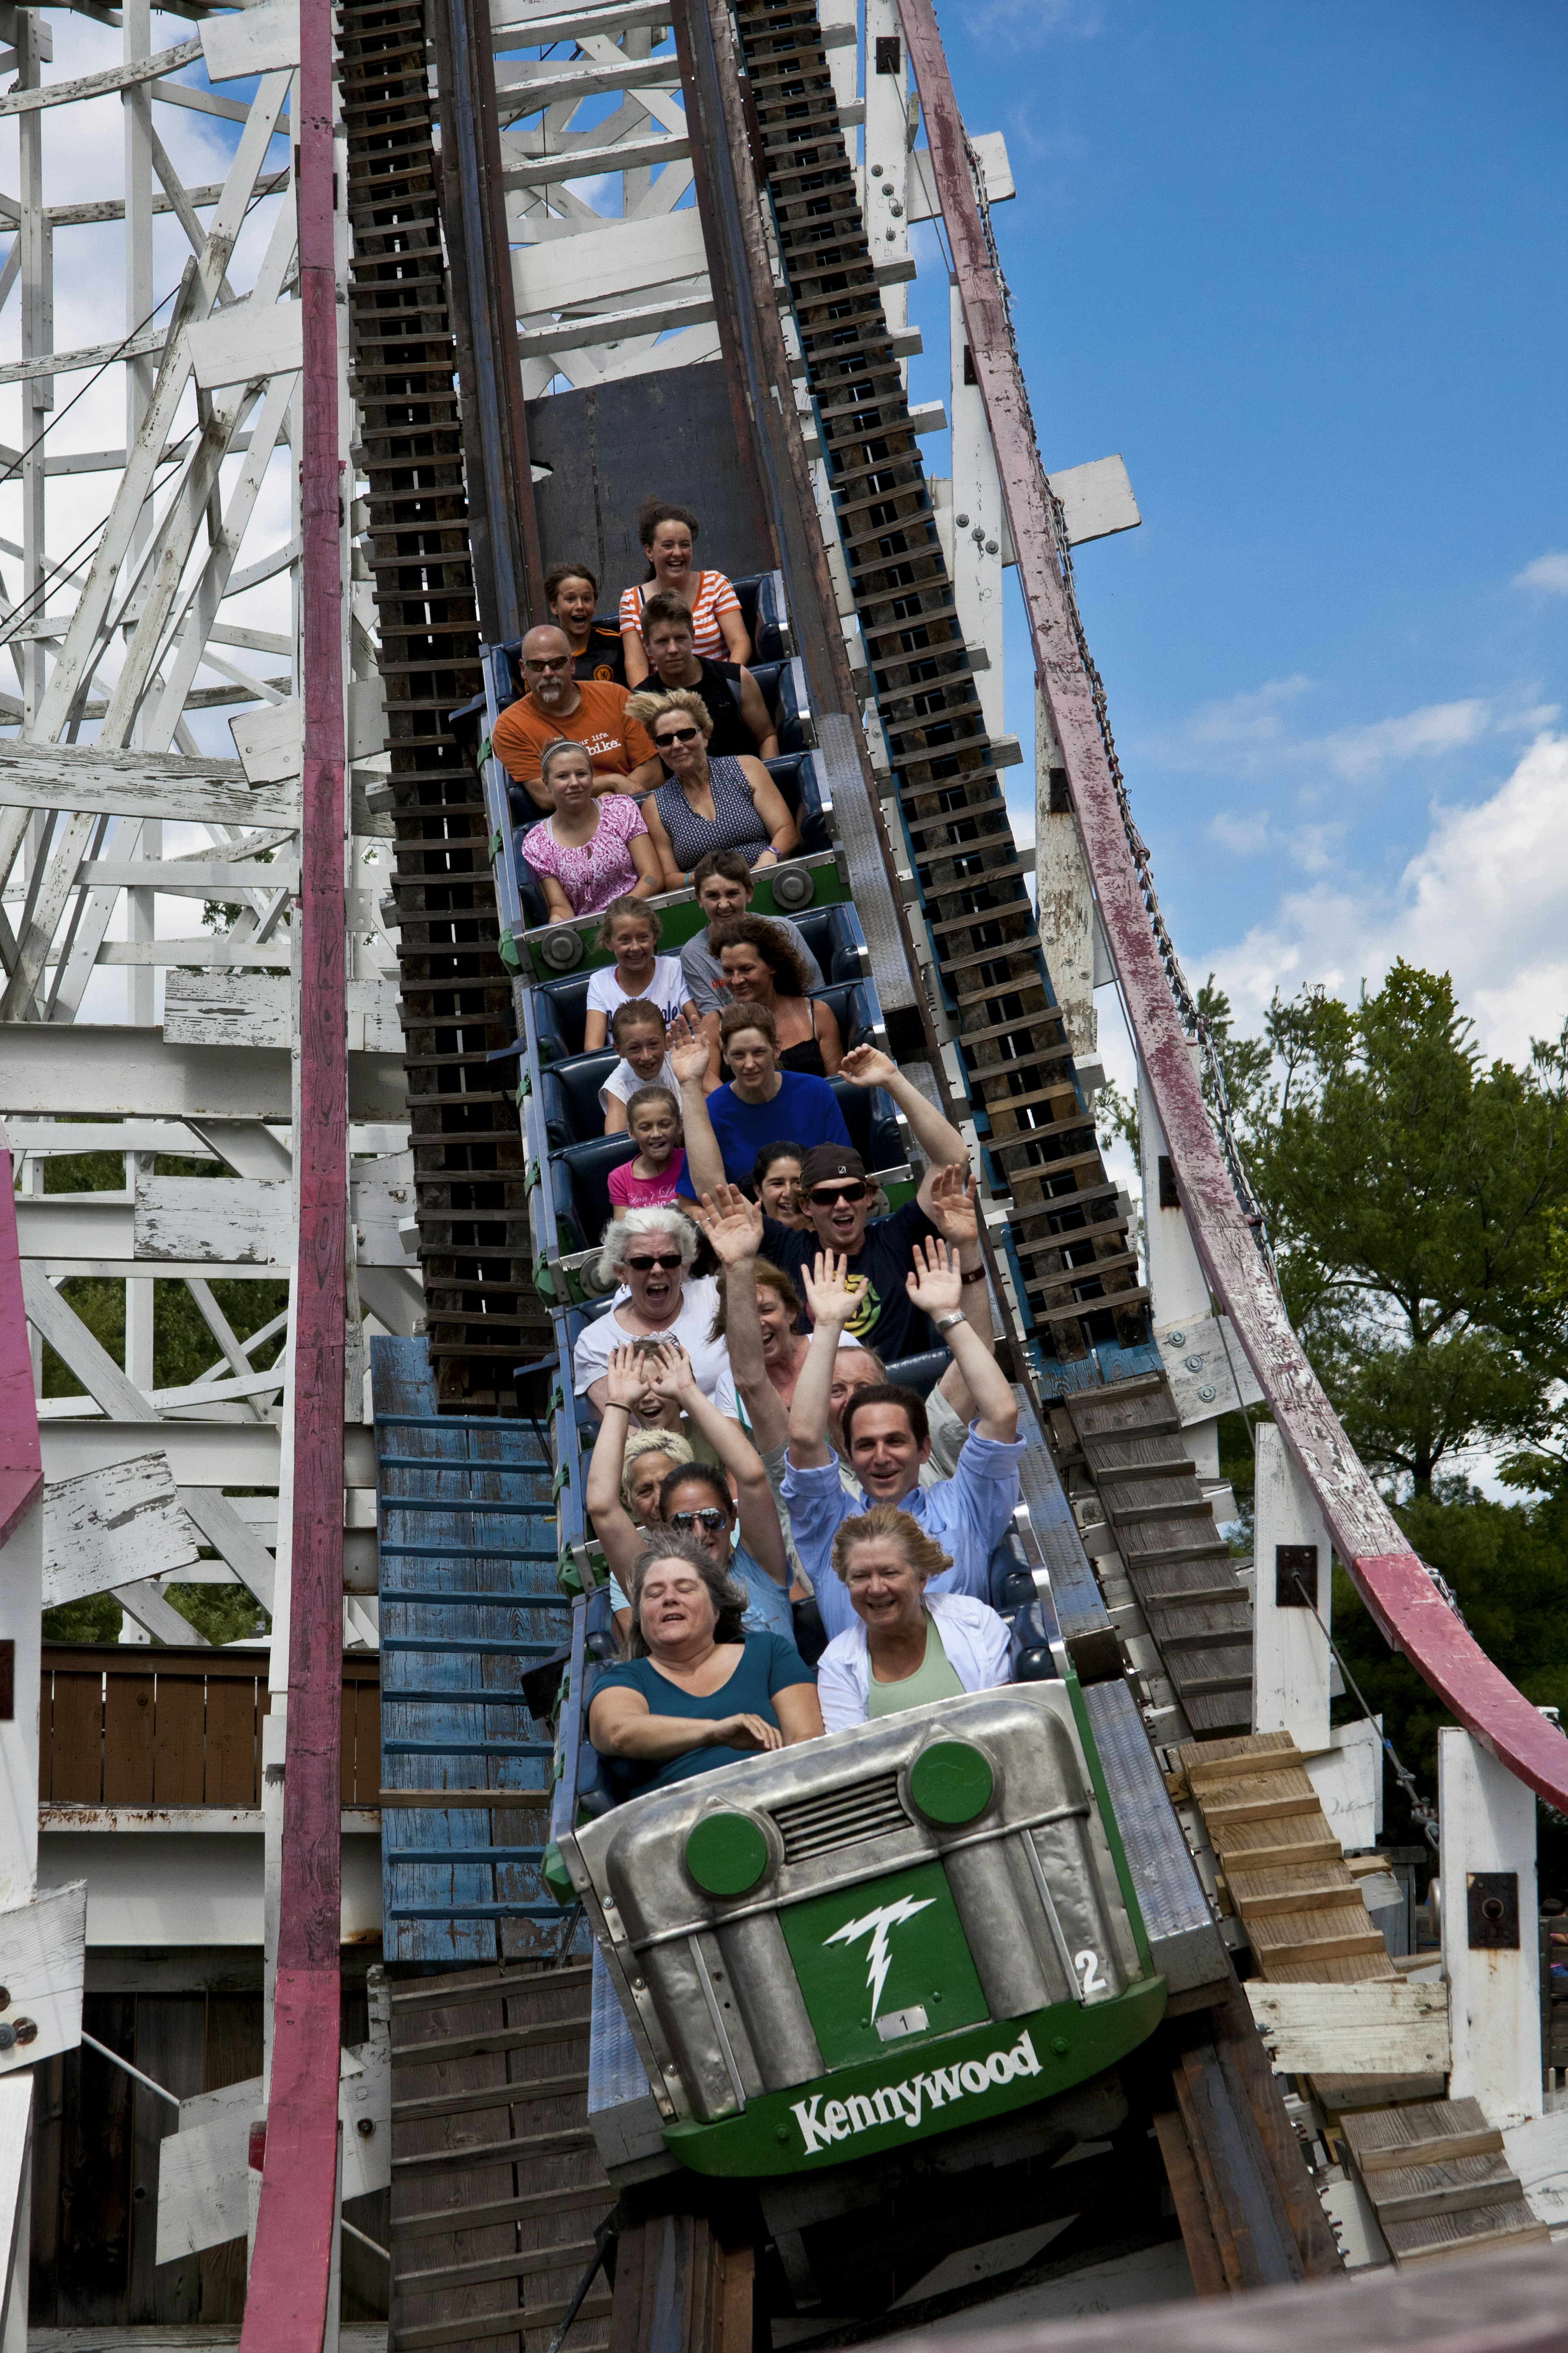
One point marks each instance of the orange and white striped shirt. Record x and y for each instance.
(714, 596)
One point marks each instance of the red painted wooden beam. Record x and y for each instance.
(21, 1463)
(1396, 1587)
(286, 2302)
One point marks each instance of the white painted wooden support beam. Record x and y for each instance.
(43, 1968)
(238, 1220)
(1205, 1366)
(1290, 1655)
(111, 1136)
(545, 22)
(1181, 1292)
(204, 1009)
(1096, 500)
(597, 265)
(15, 2207)
(528, 84)
(573, 334)
(243, 1550)
(145, 1603)
(1386, 2026)
(112, 1068)
(111, 1527)
(151, 339)
(126, 77)
(202, 2185)
(1347, 1780)
(81, 779)
(1487, 1826)
(245, 343)
(252, 40)
(520, 170)
(989, 146)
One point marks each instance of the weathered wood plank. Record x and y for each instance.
(109, 1527)
(85, 781)
(1386, 2139)
(1382, 2027)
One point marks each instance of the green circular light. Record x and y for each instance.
(950, 1782)
(726, 1853)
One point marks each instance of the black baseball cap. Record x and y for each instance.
(824, 1162)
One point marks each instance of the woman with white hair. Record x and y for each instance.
(647, 1255)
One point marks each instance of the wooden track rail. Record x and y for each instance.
(482, 1314)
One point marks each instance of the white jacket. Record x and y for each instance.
(976, 1640)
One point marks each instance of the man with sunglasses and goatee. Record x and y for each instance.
(837, 1197)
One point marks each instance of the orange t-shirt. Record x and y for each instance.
(615, 743)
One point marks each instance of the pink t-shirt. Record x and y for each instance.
(595, 872)
(629, 1192)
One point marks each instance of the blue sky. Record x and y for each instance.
(1305, 269)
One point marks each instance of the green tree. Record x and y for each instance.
(1414, 1195)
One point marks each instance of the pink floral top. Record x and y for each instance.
(629, 1192)
(595, 872)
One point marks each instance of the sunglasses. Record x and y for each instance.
(713, 1519)
(646, 1265)
(837, 1193)
(679, 735)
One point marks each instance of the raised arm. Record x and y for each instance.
(760, 1530)
(831, 1304)
(933, 1131)
(954, 1208)
(935, 1286)
(624, 1381)
(734, 1230)
(689, 1060)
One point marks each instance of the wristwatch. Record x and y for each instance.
(975, 1274)
(944, 1324)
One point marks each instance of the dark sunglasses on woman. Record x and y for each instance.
(646, 1265)
(711, 1518)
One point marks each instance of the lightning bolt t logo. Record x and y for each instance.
(876, 1924)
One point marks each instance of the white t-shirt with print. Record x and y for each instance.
(623, 1083)
(668, 988)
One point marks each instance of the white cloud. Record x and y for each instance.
(1359, 753)
(1485, 899)
(1255, 735)
(1244, 835)
(1548, 575)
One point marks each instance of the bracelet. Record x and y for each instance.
(615, 1406)
(944, 1324)
(975, 1274)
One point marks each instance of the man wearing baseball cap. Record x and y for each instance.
(837, 1197)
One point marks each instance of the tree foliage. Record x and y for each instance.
(1417, 1201)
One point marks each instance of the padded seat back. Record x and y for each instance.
(530, 889)
(920, 1373)
(589, 1165)
(567, 1000)
(873, 1126)
(569, 1098)
(799, 778)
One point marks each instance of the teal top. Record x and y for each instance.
(767, 1664)
(934, 1678)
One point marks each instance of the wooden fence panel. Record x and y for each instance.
(128, 1722)
(121, 1725)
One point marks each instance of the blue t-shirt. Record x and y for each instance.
(805, 1112)
(767, 1664)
